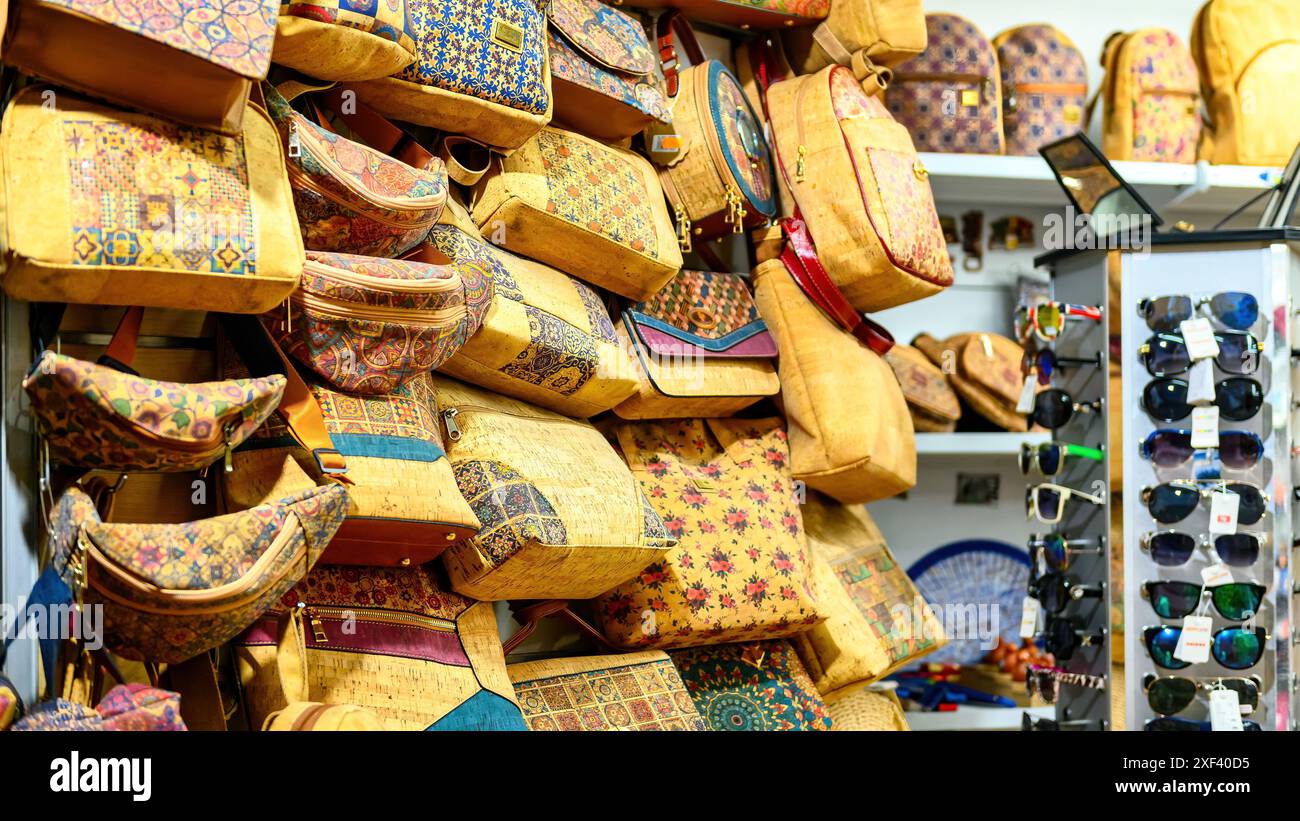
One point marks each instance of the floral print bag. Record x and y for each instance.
(741, 569)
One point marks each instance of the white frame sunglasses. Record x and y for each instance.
(1033, 511)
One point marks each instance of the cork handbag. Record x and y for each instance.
(984, 370)
(719, 180)
(546, 338)
(172, 591)
(1150, 98)
(858, 707)
(949, 97)
(349, 197)
(758, 686)
(394, 641)
(877, 621)
(1044, 86)
(481, 70)
(604, 73)
(740, 569)
(702, 349)
(368, 325)
(208, 55)
(562, 516)
(632, 691)
(930, 399)
(116, 208)
(340, 40)
(886, 32)
(855, 181)
(850, 433)
(592, 210)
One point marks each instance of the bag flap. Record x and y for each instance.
(604, 35)
(702, 313)
(923, 384)
(234, 36)
(992, 362)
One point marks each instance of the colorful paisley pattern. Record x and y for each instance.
(642, 695)
(382, 18)
(330, 331)
(741, 568)
(138, 707)
(97, 417)
(351, 198)
(754, 687)
(597, 190)
(215, 555)
(1166, 121)
(462, 46)
(233, 34)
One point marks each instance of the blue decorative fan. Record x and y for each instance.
(990, 575)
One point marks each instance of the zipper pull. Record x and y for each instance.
(295, 142)
(449, 419)
(287, 324)
(227, 457)
(736, 212)
(317, 627)
(801, 163)
(683, 228)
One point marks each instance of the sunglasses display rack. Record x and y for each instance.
(1187, 555)
(1071, 564)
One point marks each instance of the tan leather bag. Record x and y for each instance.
(885, 31)
(930, 399)
(984, 369)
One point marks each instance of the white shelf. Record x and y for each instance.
(976, 444)
(975, 717)
(984, 179)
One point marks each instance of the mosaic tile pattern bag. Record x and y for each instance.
(758, 686)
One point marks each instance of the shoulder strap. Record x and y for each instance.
(529, 615)
(121, 348)
(801, 258)
(669, 23)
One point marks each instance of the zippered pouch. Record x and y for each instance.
(351, 198)
(368, 325)
(172, 591)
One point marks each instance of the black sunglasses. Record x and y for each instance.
(1238, 398)
(1167, 354)
(1054, 591)
(1235, 601)
(1054, 408)
(1171, 502)
(1235, 648)
(1169, 548)
(1064, 635)
(1167, 695)
(1166, 724)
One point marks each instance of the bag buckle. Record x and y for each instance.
(319, 453)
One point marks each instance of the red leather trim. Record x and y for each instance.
(528, 616)
(391, 543)
(800, 258)
(122, 346)
(672, 22)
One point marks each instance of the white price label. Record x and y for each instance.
(1198, 335)
(1025, 404)
(1223, 512)
(1225, 711)
(1215, 575)
(1200, 384)
(1029, 617)
(1205, 427)
(1194, 640)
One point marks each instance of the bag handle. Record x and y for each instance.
(291, 655)
(121, 349)
(670, 23)
(801, 258)
(263, 357)
(529, 615)
(459, 153)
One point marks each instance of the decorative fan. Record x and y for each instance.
(990, 575)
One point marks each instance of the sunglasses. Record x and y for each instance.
(1176, 724)
(1063, 636)
(1056, 549)
(1172, 694)
(1168, 448)
(1050, 457)
(1167, 354)
(1045, 363)
(1046, 502)
(1169, 548)
(1029, 724)
(1054, 408)
(1235, 601)
(1171, 502)
(1235, 648)
(1237, 397)
(1047, 319)
(1054, 591)
(1232, 308)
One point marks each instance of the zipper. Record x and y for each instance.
(343, 309)
(405, 286)
(317, 615)
(202, 598)
(800, 165)
(346, 180)
(734, 203)
(454, 432)
(683, 223)
(1060, 89)
(302, 179)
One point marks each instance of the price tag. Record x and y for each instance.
(1200, 384)
(1029, 613)
(1205, 427)
(1198, 335)
(1215, 575)
(1223, 512)
(1025, 404)
(1225, 711)
(1194, 641)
